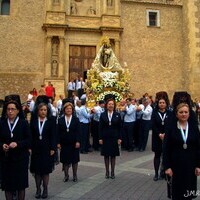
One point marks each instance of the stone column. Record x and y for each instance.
(48, 56)
(117, 7)
(117, 48)
(104, 7)
(61, 56)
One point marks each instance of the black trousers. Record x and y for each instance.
(144, 133)
(84, 137)
(136, 132)
(80, 93)
(128, 128)
(95, 134)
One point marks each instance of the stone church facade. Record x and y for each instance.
(57, 40)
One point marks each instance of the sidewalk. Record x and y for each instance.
(134, 180)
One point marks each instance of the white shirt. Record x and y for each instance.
(77, 109)
(71, 86)
(98, 111)
(54, 111)
(75, 99)
(130, 115)
(79, 85)
(147, 112)
(31, 106)
(59, 104)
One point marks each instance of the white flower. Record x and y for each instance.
(118, 96)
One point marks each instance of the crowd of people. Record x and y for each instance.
(68, 127)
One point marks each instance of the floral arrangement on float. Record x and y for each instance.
(106, 76)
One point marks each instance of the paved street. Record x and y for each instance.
(134, 180)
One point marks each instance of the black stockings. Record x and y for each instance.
(38, 182)
(112, 162)
(156, 165)
(66, 170)
(20, 195)
(74, 169)
(44, 179)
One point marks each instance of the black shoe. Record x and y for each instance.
(112, 176)
(38, 194)
(75, 179)
(155, 178)
(44, 194)
(107, 175)
(66, 178)
(130, 150)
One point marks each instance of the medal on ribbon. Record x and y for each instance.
(68, 122)
(41, 126)
(12, 128)
(184, 134)
(162, 118)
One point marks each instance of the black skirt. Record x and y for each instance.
(110, 147)
(15, 175)
(69, 154)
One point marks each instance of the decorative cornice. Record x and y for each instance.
(104, 28)
(70, 28)
(46, 26)
(94, 29)
(164, 2)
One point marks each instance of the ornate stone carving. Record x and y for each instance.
(73, 9)
(91, 11)
(56, 17)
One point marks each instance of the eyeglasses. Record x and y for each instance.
(11, 109)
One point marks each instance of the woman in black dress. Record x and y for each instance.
(181, 154)
(110, 136)
(69, 141)
(43, 130)
(160, 118)
(14, 144)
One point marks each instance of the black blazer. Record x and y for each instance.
(158, 128)
(110, 131)
(48, 141)
(71, 137)
(21, 135)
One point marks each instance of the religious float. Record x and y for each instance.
(106, 78)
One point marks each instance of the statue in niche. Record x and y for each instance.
(73, 8)
(56, 1)
(91, 11)
(54, 68)
(109, 2)
(55, 43)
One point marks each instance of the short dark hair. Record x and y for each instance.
(108, 102)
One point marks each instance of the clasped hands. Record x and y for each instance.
(12, 145)
(118, 141)
(170, 172)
